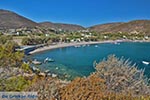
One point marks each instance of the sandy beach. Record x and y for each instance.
(62, 45)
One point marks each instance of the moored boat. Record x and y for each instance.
(96, 46)
(145, 62)
(49, 60)
(77, 46)
(116, 43)
(36, 62)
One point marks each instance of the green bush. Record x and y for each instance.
(14, 84)
(26, 67)
(4, 39)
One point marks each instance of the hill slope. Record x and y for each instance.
(103, 27)
(10, 19)
(66, 27)
(136, 26)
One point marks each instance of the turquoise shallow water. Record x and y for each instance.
(74, 61)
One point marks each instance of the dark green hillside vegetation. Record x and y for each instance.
(81, 37)
(16, 83)
(35, 40)
(8, 56)
(4, 39)
(12, 66)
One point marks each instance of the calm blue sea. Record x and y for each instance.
(73, 61)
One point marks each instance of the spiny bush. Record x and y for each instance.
(121, 77)
(47, 88)
(92, 88)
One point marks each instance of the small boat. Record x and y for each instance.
(36, 62)
(54, 75)
(77, 46)
(83, 45)
(49, 60)
(145, 62)
(35, 69)
(96, 46)
(117, 43)
(47, 71)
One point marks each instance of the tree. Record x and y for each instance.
(9, 57)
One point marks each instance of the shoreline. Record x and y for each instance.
(63, 45)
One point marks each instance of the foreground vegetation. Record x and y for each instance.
(93, 88)
(114, 79)
(121, 77)
(12, 67)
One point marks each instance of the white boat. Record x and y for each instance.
(48, 60)
(117, 43)
(36, 62)
(77, 46)
(96, 46)
(83, 45)
(145, 62)
(47, 71)
(35, 69)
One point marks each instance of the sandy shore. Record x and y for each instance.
(62, 45)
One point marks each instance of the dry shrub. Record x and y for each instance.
(47, 88)
(121, 77)
(92, 88)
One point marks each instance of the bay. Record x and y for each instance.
(78, 61)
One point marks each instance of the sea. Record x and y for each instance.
(79, 61)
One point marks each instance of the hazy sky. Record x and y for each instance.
(82, 12)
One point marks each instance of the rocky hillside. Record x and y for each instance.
(10, 19)
(103, 27)
(136, 26)
(66, 27)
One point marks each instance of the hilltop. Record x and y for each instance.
(12, 20)
(103, 27)
(135, 27)
(9, 19)
(63, 26)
